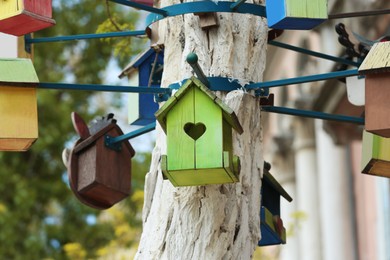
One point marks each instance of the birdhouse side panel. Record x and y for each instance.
(227, 140)
(208, 121)
(180, 146)
(10, 8)
(296, 14)
(307, 8)
(18, 112)
(377, 120)
(87, 167)
(113, 167)
(40, 7)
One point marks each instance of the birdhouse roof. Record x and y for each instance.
(134, 64)
(228, 113)
(377, 60)
(18, 72)
(268, 178)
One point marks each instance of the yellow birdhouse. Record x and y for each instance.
(18, 104)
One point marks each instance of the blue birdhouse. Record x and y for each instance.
(271, 225)
(296, 14)
(145, 70)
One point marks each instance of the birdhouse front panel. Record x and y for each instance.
(296, 14)
(19, 114)
(199, 145)
(377, 110)
(18, 104)
(19, 17)
(375, 155)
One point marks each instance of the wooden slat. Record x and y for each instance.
(209, 146)
(180, 148)
(10, 8)
(378, 59)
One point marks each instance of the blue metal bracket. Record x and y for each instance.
(29, 40)
(313, 53)
(115, 142)
(304, 79)
(142, 7)
(206, 7)
(237, 4)
(192, 59)
(313, 114)
(161, 97)
(114, 146)
(107, 88)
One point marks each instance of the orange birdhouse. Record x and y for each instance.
(19, 17)
(99, 176)
(18, 104)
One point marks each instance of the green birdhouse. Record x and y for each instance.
(375, 155)
(198, 126)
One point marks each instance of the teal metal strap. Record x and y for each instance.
(141, 6)
(216, 84)
(107, 88)
(313, 114)
(207, 7)
(30, 40)
(313, 53)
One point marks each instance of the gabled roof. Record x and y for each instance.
(137, 62)
(267, 177)
(377, 60)
(227, 112)
(18, 71)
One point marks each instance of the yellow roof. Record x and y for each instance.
(377, 60)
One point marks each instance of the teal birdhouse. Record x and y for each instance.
(296, 14)
(198, 126)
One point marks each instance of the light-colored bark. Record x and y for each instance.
(215, 221)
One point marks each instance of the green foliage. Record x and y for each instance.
(39, 216)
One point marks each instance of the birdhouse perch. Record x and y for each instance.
(199, 137)
(18, 104)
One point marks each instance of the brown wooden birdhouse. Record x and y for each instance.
(19, 17)
(99, 175)
(376, 68)
(199, 137)
(18, 104)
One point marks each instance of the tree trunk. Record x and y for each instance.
(214, 221)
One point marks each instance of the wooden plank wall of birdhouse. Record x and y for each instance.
(40, 7)
(181, 147)
(377, 104)
(19, 17)
(296, 14)
(209, 147)
(19, 117)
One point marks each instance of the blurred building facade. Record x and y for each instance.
(337, 212)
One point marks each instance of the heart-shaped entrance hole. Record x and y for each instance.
(195, 130)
